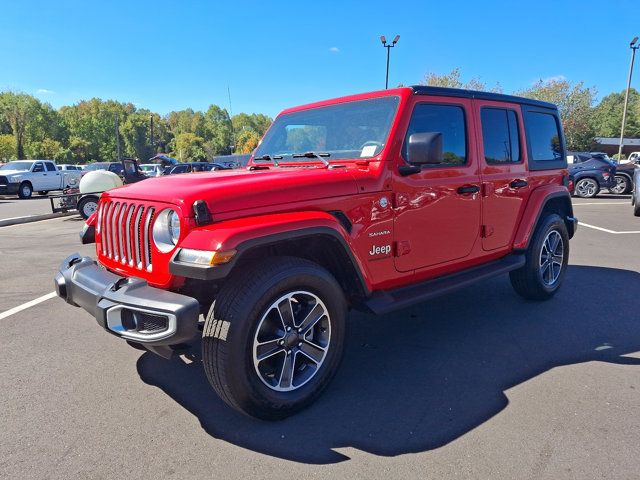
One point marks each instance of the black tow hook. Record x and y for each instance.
(119, 284)
(74, 260)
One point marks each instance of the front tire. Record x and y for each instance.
(25, 190)
(274, 337)
(546, 261)
(587, 188)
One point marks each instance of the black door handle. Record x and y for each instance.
(518, 183)
(469, 189)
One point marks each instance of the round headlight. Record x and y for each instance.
(166, 230)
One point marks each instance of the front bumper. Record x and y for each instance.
(128, 307)
(9, 188)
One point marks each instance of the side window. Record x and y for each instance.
(500, 135)
(38, 167)
(446, 119)
(50, 167)
(544, 137)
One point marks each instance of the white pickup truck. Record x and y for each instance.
(23, 177)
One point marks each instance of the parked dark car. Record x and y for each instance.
(624, 178)
(590, 173)
(635, 198)
(115, 167)
(196, 167)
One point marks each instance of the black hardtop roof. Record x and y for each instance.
(498, 97)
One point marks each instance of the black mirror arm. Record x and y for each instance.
(406, 170)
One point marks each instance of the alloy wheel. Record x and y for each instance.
(620, 187)
(291, 341)
(551, 258)
(586, 187)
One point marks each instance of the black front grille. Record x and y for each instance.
(3, 180)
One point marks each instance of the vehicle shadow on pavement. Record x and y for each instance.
(418, 379)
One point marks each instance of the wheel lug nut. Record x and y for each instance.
(288, 329)
(281, 342)
(300, 344)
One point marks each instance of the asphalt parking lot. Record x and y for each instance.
(479, 384)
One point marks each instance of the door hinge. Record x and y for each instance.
(403, 247)
(486, 231)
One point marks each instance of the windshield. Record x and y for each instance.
(20, 166)
(97, 166)
(356, 129)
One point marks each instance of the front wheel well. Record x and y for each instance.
(322, 249)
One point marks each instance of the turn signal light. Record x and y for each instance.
(205, 257)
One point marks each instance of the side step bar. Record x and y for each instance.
(385, 301)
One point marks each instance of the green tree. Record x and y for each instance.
(18, 109)
(246, 141)
(453, 80)
(607, 115)
(188, 147)
(136, 134)
(47, 149)
(218, 128)
(80, 149)
(93, 121)
(574, 102)
(7, 147)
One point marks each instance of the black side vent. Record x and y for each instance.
(343, 219)
(201, 212)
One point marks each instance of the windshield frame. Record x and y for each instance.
(327, 153)
(7, 166)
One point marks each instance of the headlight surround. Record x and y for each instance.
(14, 178)
(166, 230)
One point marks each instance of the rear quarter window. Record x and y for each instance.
(545, 141)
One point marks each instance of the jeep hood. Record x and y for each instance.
(226, 191)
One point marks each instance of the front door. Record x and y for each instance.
(437, 210)
(38, 177)
(505, 186)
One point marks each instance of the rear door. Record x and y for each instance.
(52, 177)
(505, 180)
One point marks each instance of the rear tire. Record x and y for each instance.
(587, 188)
(262, 313)
(25, 190)
(636, 209)
(546, 260)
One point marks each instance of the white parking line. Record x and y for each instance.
(24, 306)
(582, 224)
(601, 203)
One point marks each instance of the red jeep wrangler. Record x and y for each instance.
(375, 201)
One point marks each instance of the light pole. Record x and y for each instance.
(388, 46)
(633, 46)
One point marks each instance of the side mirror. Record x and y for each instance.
(425, 148)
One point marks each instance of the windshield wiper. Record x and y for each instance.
(314, 155)
(273, 158)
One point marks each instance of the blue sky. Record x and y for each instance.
(169, 55)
